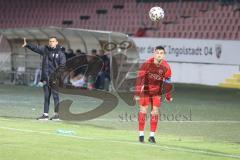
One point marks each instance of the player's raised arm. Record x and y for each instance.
(24, 42)
(35, 48)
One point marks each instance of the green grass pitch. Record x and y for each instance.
(208, 128)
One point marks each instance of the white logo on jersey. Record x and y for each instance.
(155, 76)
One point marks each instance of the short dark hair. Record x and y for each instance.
(78, 51)
(94, 51)
(160, 48)
(53, 37)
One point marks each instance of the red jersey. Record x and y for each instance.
(151, 76)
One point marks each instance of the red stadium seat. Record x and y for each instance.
(192, 19)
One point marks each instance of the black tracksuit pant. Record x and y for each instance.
(48, 91)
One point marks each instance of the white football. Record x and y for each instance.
(156, 14)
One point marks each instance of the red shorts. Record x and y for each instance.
(153, 100)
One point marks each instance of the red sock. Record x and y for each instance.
(153, 122)
(141, 121)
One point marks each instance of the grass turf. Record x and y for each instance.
(212, 132)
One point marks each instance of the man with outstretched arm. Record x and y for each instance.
(53, 57)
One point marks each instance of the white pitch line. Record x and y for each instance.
(203, 121)
(111, 120)
(125, 142)
(124, 121)
(42, 132)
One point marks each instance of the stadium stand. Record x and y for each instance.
(185, 19)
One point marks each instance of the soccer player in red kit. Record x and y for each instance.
(152, 79)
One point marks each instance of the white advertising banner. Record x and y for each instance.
(192, 50)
